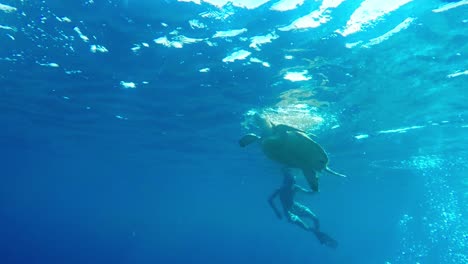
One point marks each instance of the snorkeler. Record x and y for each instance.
(294, 210)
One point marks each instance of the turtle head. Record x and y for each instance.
(263, 123)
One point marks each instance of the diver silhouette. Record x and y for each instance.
(293, 210)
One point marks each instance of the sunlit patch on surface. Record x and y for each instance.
(137, 47)
(127, 85)
(70, 72)
(285, 5)
(255, 60)
(458, 73)
(450, 6)
(298, 108)
(369, 12)
(80, 34)
(8, 28)
(315, 18)
(300, 96)
(248, 4)
(399, 130)
(237, 55)
(50, 64)
(64, 19)
(402, 26)
(196, 24)
(257, 41)
(211, 44)
(361, 136)
(198, 2)
(121, 117)
(300, 116)
(229, 33)
(353, 44)
(297, 76)
(177, 41)
(7, 8)
(218, 15)
(312, 20)
(313, 63)
(98, 48)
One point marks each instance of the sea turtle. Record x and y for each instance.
(291, 147)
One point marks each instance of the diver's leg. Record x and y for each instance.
(312, 178)
(294, 219)
(323, 238)
(304, 211)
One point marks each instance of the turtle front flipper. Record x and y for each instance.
(248, 139)
(312, 178)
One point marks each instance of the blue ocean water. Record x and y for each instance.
(121, 122)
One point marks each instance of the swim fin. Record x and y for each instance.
(326, 239)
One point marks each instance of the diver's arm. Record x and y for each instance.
(272, 204)
(303, 190)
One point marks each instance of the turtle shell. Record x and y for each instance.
(295, 149)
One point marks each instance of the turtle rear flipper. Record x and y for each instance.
(248, 139)
(312, 179)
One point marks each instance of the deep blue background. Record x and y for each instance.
(169, 184)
